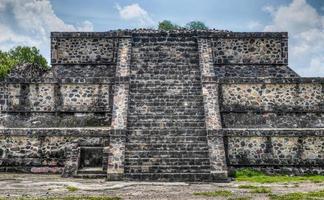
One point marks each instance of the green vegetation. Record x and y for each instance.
(20, 56)
(168, 25)
(247, 172)
(251, 175)
(299, 196)
(196, 25)
(261, 190)
(222, 193)
(240, 198)
(72, 188)
(247, 187)
(193, 25)
(256, 189)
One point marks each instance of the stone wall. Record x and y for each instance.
(54, 104)
(294, 104)
(293, 151)
(44, 150)
(47, 119)
(274, 125)
(83, 50)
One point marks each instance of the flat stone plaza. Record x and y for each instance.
(15, 186)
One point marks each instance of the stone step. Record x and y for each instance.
(150, 54)
(133, 112)
(91, 170)
(189, 70)
(147, 64)
(90, 176)
(137, 63)
(164, 69)
(166, 117)
(166, 91)
(175, 177)
(165, 106)
(166, 161)
(135, 96)
(158, 42)
(147, 104)
(170, 139)
(167, 132)
(136, 110)
(159, 106)
(159, 85)
(168, 169)
(193, 102)
(165, 81)
(160, 47)
(196, 103)
(164, 78)
(166, 147)
(175, 108)
(159, 76)
(166, 154)
(138, 119)
(159, 125)
(186, 123)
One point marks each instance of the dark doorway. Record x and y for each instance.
(91, 157)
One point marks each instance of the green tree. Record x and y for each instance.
(196, 25)
(6, 63)
(168, 25)
(21, 56)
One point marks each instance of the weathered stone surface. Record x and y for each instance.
(148, 104)
(272, 97)
(85, 97)
(250, 50)
(80, 50)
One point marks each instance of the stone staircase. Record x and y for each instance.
(91, 173)
(167, 136)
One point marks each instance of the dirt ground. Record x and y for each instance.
(13, 186)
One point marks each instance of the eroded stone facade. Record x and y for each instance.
(154, 105)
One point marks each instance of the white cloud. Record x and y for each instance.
(268, 8)
(30, 22)
(136, 13)
(254, 26)
(85, 26)
(315, 67)
(296, 17)
(306, 35)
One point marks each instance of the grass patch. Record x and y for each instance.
(251, 175)
(299, 196)
(72, 188)
(247, 172)
(247, 187)
(263, 190)
(222, 193)
(240, 198)
(256, 189)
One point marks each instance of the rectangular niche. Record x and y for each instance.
(91, 157)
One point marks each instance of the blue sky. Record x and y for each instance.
(29, 22)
